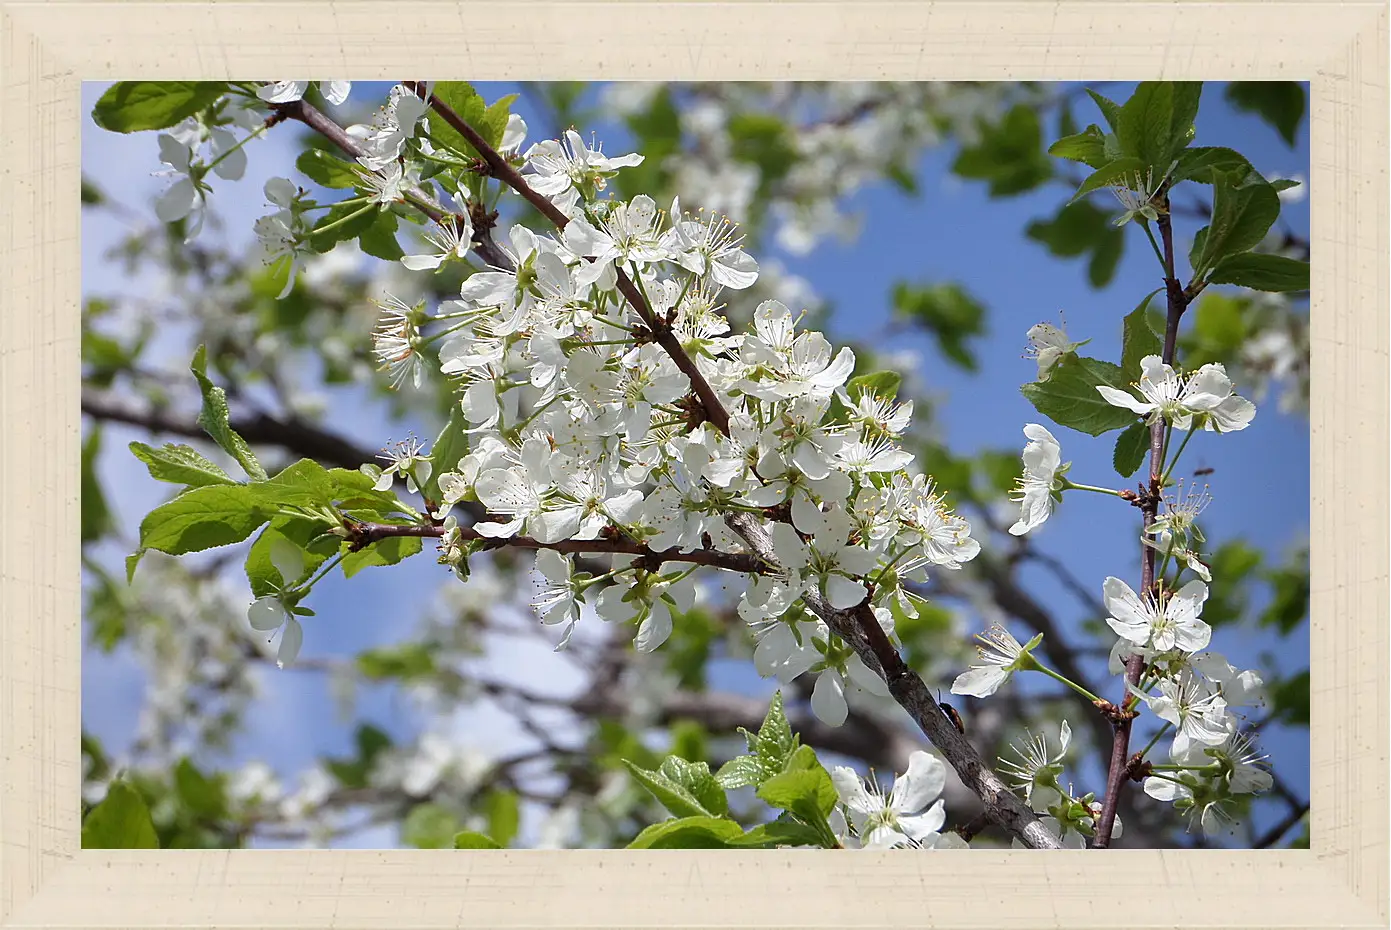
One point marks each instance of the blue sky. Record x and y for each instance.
(952, 231)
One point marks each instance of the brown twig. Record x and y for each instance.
(1149, 507)
(361, 534)
(858, 628)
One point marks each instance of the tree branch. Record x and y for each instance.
(502, 170)
(361, 535)
(258, 429)
(859, 628)
(1149, 507)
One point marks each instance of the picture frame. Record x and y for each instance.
(47, 49)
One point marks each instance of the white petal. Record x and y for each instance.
(290, 642)
(287, 559)
(843, 593)
(828, 699)
(924, 781)
(266, 614)
(654, 630)
(981, 681)
(1122, 399)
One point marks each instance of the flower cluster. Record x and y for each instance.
(582, 361)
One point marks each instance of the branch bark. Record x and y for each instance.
(364, 534)
(857, 627)
(1118, 771)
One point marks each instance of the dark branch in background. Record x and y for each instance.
(258, 429)
(1272, 836)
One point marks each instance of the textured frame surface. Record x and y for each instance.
(48, 49)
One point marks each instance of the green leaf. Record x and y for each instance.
(261, 572)
(879, 383)
(1109, 109)
(470, 840)
(1290, 697)
(1070, 398)
(96, 515)
(1087, 146)
(132, 562)
(326, 170)
(214, 419)
(388, 551)
(1146, 121)
(343, 221)
(764, 140)
(690, 833)
(429, 826)
(450, 446)
(1262, 272)
(460, 97)
(1242, 214)
(203, 518)
(379, 238)
(495, 119)
(770, 750)
(1131, 446)
(1078, 229)
(1116, 170)
(120, 821)
(740, 772)
(1139, 339)
(134, 106)
(179, 464)
(405, 661)
(1279, 103)
(949, 312)
(1187, 96)
(1198, 164)
(1009, 155)
(687, 789)
(1219, 326)
(202, 795)
(780, 833)
(353, 772)
(504, 813)
(808, 793)
(303, 484)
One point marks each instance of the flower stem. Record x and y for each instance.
(1039, 666)
(1183, 445)
(1150, 745)
(1069, 485)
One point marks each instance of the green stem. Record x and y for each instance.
(245, 139)
(1183, 445)
(1154, 244)
(328, 567)
(1212, 767)
(1069, 485)
(1150, 745)
(1040, 667)
(341, 220)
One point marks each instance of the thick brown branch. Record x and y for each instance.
(502, 169)
(860, 629)
(364, 534)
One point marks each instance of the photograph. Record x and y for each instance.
(915, 465)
